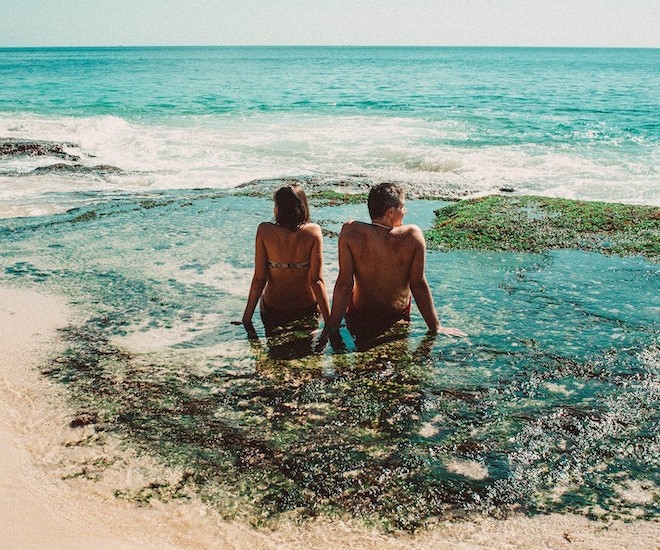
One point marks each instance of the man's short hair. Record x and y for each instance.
(383, 196)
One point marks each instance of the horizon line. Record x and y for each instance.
(494, 46)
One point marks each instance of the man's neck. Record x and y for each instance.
(382, 223)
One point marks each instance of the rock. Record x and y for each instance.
(101, 169)
(10, 147)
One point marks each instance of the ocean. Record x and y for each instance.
(117, 175)
(576, 123)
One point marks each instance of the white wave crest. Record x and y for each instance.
(222, 151)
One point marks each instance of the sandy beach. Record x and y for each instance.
(54, 494)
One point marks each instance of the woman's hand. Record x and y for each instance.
(249, 327)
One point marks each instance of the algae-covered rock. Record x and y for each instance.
(11, 147)
(535, 224)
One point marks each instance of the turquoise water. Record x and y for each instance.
(579, 123)
(551, 403)
(117, 167)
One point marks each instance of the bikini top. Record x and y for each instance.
(285, 265)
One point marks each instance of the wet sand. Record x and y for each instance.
(57, 482)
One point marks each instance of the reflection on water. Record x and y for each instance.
(550, 404)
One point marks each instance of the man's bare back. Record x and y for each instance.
(380, 265)
(383, 271)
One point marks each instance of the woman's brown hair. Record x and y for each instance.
(292, 208)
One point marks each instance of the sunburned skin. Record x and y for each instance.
(381, 278)
(380, 265)
(282, 287)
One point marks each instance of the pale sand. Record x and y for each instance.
(46, 504)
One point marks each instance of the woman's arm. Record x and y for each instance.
(315, 275)
(259, 278)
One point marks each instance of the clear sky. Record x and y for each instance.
(633, 23)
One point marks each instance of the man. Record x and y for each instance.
(380, 264)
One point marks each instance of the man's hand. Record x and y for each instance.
(336, 341)
(449, 331)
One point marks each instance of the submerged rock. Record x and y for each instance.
(351, 187)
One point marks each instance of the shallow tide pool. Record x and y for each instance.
(550, 404)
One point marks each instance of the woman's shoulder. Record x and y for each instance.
(311, 228)
(266, 227)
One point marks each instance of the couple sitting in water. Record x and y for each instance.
(380, 265)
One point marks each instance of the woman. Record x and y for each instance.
(288, 265)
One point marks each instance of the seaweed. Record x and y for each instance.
(536, 224)
(277, 438)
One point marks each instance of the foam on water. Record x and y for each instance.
(225, 151)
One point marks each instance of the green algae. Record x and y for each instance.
(536, 224)
(84, 217)
(329, 197)
(273, 439)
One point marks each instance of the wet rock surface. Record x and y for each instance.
(12, 147)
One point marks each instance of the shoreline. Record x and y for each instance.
(30, 420)
(48, 472)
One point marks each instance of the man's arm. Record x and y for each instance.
(419, 286)
(421, 291)
(344, 285)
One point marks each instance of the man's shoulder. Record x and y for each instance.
(408, 232)
(352, 227)
(411, 229)
(411, 237)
